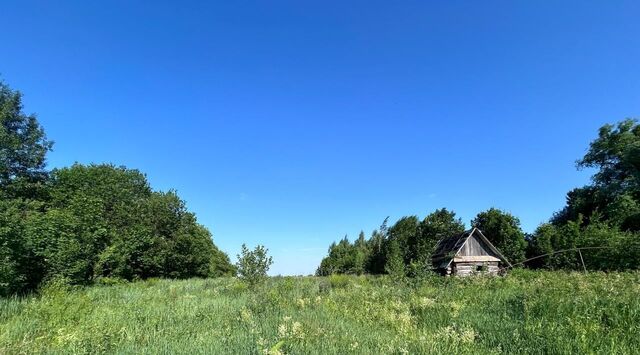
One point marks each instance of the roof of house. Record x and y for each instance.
(447, 248)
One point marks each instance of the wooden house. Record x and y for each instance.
(470, 253)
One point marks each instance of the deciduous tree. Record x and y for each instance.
(253, 265)
(504, 232)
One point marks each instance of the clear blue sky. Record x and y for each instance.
(291, 124)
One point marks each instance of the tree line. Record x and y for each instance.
(91, 222)
(603, 216)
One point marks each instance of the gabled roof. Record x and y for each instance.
(447, 248)
(450, 244)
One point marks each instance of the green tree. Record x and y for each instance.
(361, 254)
(541, 243)
(343, 258)
(110, 209)
(404, 232)
(105, 221)
(186, 247)
(439, 224)
(603, 213)
(394, 261)
(87, 221)
(549, 239)
(615, 192)
(378, 249)
(413, 239)
(327, 264)
(64, 245)
(253, 265)
(23, 148)
(616, 155)
(617, 250)
(20, 270)
(220, 265)
(503, 230)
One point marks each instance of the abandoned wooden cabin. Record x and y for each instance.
(470, 253)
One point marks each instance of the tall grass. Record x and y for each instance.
(525, 312)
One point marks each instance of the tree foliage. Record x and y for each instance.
(395, 263)
(403, 235)
(403, 248)
(614, 195)
(439, 224)
(604, 214)
(23, 147)
(253, 265)
(85, 222)
(504, 232)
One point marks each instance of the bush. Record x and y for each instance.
(56, 286)
(253, 265)
(339, 281)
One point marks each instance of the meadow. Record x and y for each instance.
(530, 312)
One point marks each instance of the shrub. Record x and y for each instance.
(339, 281)
(253, 264)
(56, 286)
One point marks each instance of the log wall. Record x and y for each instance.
(475, 268)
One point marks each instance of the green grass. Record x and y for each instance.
(525, 312)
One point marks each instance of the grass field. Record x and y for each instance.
(525, 312)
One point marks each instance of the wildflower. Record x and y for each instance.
(447, 333)
(455, 308)
(245, 314)
(425, 302)
(282, 330)
(296, 330)
(468, 335)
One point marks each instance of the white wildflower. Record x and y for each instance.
(282, 330)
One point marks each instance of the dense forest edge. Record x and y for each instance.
(102, 223)
(84, 224)
(600, 224)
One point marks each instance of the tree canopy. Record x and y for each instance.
(603, 216)
(86, 222)
(406, 245)
(23, 147)
(614, 195)
(504, 232)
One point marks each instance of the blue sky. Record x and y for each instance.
(293, 123)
